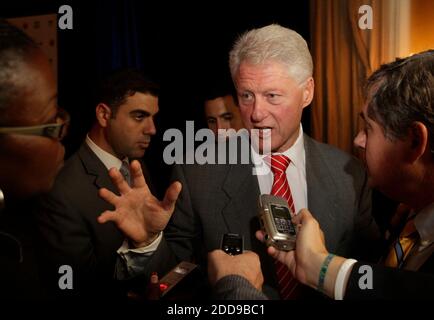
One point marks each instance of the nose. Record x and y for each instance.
(149, 128)
(258, 112)
(222, 124)
(360, 140)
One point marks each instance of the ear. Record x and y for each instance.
(103, 114)
(308, 92)
(419, 144)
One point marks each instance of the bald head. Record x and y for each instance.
(15, 48)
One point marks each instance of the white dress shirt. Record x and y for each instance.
(109, 160)
(295, 173)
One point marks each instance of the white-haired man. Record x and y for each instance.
(272, 71)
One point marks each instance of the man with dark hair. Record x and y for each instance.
(121, 84)
(221, 110)
(31, 127)
(98, 254)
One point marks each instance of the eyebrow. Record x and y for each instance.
(362, 115)
(140, 111)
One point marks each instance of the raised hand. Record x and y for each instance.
(138, 214)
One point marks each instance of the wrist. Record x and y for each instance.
(140, 244)
(328, 273)
(313, 269)
(323, 271)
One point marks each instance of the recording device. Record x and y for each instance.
(175, 283)
(275, 219)
(232, 244)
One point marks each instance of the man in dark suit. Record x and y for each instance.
(398, 144)
(67, 217)
(272, 71)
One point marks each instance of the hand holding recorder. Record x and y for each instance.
(275, 219)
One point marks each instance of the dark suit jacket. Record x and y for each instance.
(235, 287)
(71, 234)
(390, 283)
(217, 199)
(19, 277)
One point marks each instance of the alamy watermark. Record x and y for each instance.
(229, 147)
(66, 279)
(66, 18)
(366, 18)
(366, 280)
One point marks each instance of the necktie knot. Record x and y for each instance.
(125, 171)
(279, 163)
(403, 245)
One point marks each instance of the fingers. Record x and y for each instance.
(107, 216)
(119, 181)
(260, 235)
(285, 257)
(153, 290)
(154, 278)
(137, 175)
(302, 216)
(272, 251)
(108, 196)
(171, 196)
(276, 254)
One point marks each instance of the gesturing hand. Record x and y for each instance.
(138, 214)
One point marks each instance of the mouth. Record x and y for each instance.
(262, 132)
(143, 144)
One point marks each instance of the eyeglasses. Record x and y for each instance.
(56, 130)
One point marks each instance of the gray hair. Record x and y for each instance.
(276, 43)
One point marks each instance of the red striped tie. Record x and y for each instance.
(287, 283)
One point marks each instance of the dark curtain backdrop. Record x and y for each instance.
(184, 46)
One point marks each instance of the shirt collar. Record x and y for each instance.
(109, 160)
(424, 223)
(295, 153)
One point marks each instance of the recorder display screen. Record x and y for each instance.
(280, 211)
(282, 219)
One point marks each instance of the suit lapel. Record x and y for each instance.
(242, 191)
(321, 189)
(94, 167)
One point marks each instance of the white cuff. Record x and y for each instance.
(150, 248)
(342, 278)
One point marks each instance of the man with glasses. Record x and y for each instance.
(55, 130)
(31, 127)
(31, 155)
